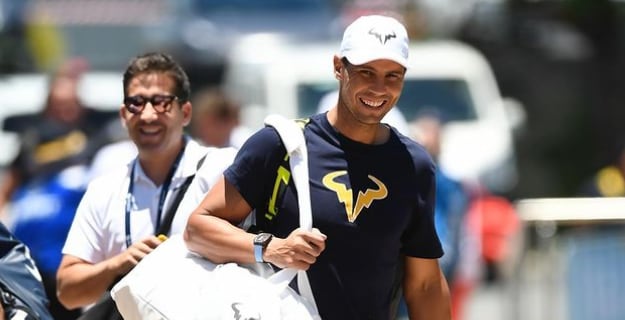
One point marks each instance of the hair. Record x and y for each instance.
(213, 100)
(157, 62)
(346, 62)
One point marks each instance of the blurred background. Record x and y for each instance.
(556, 62)
(560, 58)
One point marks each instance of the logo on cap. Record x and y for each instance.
(382, 37)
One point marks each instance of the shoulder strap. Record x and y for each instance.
(293, 139)
(264, 219)
(169, 216)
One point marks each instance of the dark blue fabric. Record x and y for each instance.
(354, 277)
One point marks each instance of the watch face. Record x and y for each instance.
(262, 238)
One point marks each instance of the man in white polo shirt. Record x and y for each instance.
(122, 212)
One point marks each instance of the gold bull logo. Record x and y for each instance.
(345, 195)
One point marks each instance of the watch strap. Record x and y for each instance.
(258, 252)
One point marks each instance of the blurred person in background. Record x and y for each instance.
(216, 119)
(47, 178)
(122, 212)
(452, 202)
(58, 135)
(451, 197)
(479, 230)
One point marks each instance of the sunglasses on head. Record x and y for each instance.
(160, 102)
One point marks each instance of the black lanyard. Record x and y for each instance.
(161, 199)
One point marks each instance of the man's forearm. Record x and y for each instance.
(432, 303)
(81, 284)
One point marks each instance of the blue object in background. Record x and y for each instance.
(595, 278)
(42, 212)
(451, 207)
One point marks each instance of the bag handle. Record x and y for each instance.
(292, 137)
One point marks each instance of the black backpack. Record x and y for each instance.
(21, 291)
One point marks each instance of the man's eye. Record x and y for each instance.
(138, 101)
(158, 99)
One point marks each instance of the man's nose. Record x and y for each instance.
(148, 112)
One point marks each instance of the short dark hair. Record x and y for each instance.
(159, 62)
(346, 62)
(215, 101)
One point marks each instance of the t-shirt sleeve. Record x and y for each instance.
(254, 168)
(420, 238)
(85, 238)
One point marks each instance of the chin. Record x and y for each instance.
(370, 121)
(148, 147)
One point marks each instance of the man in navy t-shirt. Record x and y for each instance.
(372, 192)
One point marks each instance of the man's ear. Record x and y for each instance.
(338, 65)
(187, 111)
(123, 112)
(122, 117)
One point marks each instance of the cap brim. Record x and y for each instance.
(363, 56)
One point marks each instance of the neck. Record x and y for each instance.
(375, 133)
(156, 165)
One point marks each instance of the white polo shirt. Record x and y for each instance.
(98, 230)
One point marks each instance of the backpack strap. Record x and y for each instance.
(283, 176)
(292, 136)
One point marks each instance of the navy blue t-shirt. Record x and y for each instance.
(374, 203)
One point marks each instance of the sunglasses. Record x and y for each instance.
(161, 103)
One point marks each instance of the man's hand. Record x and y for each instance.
(299, 250)
(125, 261)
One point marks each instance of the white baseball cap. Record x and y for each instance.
(375, 37)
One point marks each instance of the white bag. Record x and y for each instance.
(174, 283)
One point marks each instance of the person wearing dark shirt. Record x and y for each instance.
(372, 192)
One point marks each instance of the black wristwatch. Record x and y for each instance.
(261, 241)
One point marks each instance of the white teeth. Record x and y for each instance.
(372, 103)
(149, 130)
